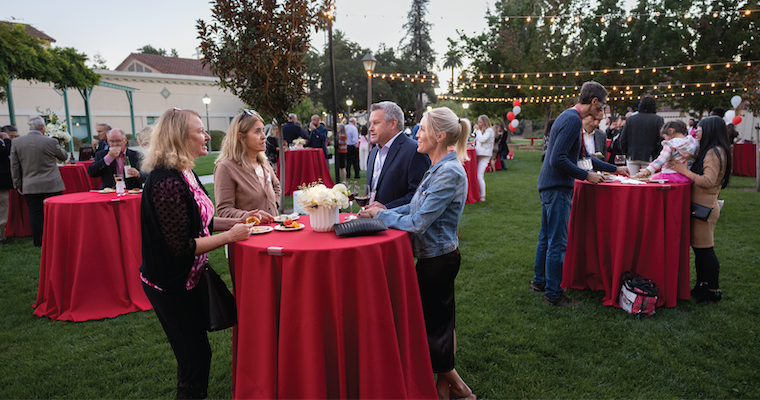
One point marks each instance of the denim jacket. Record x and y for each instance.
(435, 210)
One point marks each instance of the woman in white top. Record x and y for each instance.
(363, 148)
(484, 138)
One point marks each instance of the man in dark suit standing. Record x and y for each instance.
(394, 167)
(292, 130)
(35, 172)
(111, 162)
(640, 139)
(318, 135)
(6, 182)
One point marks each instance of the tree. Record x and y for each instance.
(73, 71)
(23, 57)
(453, 59)
(419, 48)
(257, 49)
(98, 61)
(174, 53)
(148, 49)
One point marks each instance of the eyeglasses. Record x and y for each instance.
(249, 112)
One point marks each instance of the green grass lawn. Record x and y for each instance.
(510, 344)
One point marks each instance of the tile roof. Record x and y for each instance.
(31, 31)
(167, 65)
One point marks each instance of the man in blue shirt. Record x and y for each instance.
(353, 147)
(555, 187)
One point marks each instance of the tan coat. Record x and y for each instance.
(705, 191)
(33, 165)
(238, 189)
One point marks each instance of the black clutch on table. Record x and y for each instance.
(360, 227)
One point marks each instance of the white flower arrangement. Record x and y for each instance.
(299, 142)
(318, 195)
(56, 128)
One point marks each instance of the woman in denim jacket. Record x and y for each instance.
(433, 218)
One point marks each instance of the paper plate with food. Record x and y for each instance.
(134, 191)
(255, 230)
(283, 217)
(289, 225)
(107, 190)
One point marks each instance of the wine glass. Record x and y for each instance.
(362, 196)
(353, 189)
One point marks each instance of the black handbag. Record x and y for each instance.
(699, 211)
(219, 303)
(360, 227)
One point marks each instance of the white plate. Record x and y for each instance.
(261, 229)
(132, 191)
(281, 218)
(106, 191)
(284, 229)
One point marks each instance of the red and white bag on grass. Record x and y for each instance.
(638, 295)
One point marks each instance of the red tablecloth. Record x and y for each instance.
(471, 168)
(19, 224)
(331, 318)
(304, 166)
(75, 178)
(90, 270)
(94, 182)
(640, 228)
(745, 159)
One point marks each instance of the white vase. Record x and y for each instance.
(323, 218)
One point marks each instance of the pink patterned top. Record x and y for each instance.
(678, 149)
(206, 208)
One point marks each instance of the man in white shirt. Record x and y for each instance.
(353, 147)
(394, 167)
(594, 140)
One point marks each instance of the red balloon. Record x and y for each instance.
(737, 120)
(516, 102)
(511, 128)
(510, 115)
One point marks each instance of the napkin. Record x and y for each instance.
(632, 182)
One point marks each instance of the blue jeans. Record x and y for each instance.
(552, 239)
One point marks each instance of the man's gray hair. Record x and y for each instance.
(116, 131)
(36, 123)
(352, 120)
(391, 111)
(292, 116)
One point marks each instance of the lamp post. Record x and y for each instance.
(207, 101)
(465, 106)
(369, 63)
(349, 103)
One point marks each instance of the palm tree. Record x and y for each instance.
(453, 60)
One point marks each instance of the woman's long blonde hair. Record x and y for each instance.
(486, 122)
(232, 146)
(169, 144)
(457, 130)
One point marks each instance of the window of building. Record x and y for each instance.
(152, 120)
(135, 67)
(79, 127)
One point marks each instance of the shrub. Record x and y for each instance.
(216, 140)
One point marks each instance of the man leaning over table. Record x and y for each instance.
(555, 187)
(111, 162)
(35, 172)
(394, 167)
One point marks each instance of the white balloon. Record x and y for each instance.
(735, 101)
(730, 114)
(514, 122)
(517, 109)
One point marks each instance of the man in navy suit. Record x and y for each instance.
(111, 162)
(394, 167)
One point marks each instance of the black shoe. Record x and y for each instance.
(699, 290)
(534, 287)
(710, 296)
(562, 301)
(5, 241)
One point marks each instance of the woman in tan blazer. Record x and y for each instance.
(710, 172)
(243, 178)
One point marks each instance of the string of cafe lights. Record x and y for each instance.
(619, 71)
(403, 77)
(665, 86)
(629, 17)
(564, 97)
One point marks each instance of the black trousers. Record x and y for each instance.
(436, 279)
(707, 266)
(353, 161)
(181, 315)
(36, 202)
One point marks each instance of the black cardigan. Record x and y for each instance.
(171, 222)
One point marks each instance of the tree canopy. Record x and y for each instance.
(28, 58)
(257, 49)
